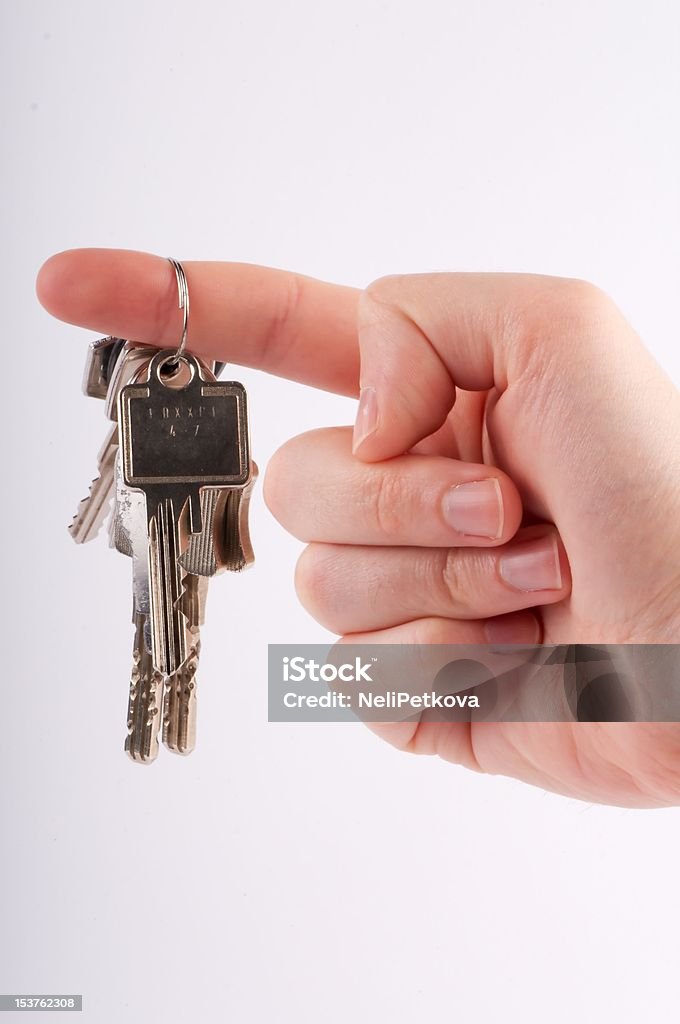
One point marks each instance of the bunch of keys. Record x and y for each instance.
(176, 462)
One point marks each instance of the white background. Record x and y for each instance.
(306, 873)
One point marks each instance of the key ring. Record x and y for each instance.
(183, 293)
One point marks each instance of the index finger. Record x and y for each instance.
(288, 324)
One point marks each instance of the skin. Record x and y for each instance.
(536, 383)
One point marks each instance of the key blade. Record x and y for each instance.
(93, 509)
(179, 704)
(145, 699)
(129, 531)
(165, 585)
(112, 363)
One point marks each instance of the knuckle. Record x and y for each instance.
(453, 580)
(385, 288)
(380, 297)
(583, 303)
(387, 499)
(557, 316)
(576, 305)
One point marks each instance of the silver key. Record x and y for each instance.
(111, 364)
(224, 540)
(146, 684)
(131, 363)
(179, 436)
(132, 360)
(182, 478)
(150, 689)
(155, 697)
(93, 509)
(179, 702)
(146, 697)
(115, 363)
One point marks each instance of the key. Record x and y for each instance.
(111, 363)
(99, 367)
(102, 356)
(146, 683)
(148, 687)
(224, 540)
(93, 509)
(179, 700)
(179, 434)
(235, 550)
(146, 697)
(150, 691)
(179, 703)
(132, 361)
(177, 458)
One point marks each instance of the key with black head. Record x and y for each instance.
(181, 431)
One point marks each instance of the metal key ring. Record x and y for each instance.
(183, 293)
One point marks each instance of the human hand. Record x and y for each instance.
(559, 405)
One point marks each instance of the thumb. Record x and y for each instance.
(423, 335)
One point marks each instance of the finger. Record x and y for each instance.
(319, 492)
(452, 740)
(522, 627)
(348, 588)
(287, 324)
(424, 335)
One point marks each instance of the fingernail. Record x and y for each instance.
(367, 416)
(475, 508)
(533, 565)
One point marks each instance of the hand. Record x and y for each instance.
(543, 506)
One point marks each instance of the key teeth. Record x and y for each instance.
(179, 705)
(146, 688)
(94, 508)
(80, 529)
